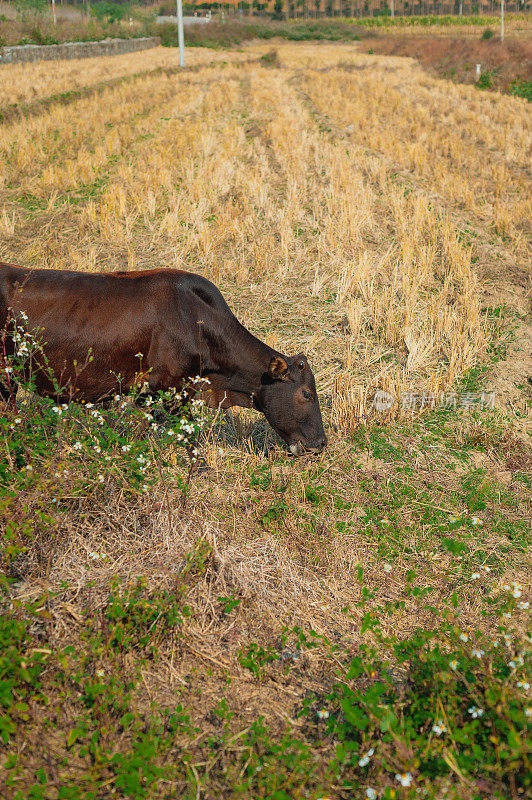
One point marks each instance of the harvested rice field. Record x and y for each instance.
(353, 624)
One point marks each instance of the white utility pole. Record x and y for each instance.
(502, 20)
(180, 34)
(392, 9)
(460, 12)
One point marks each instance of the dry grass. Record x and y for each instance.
(26, 83)
(327, 198)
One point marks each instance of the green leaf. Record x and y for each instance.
(73, 736)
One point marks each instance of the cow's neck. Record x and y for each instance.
(236, 371)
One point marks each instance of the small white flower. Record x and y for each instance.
(57, 410)
(171, 432)
(453, 520)
(97, 448)
(77, 446)
(371, 794)
(385, 521)
(475, 576)
(439, 727)
(100, 673)
(126, 448)
(387, 567)
(117, 397)
(154, 426)
(523, 685)
(364, 761)
(323, 713)
(523, 605)
(486, 569)
(464, 637)
(476, 521)
(89, 405)
(477, 652)
(138, 355)
(404, 778)
(17, 420)
(516, 593)
(453, 664)
(528, 711)
(101, 478)
(475, 711)
(107, 457)
(28, 468)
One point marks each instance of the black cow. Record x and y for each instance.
(168, 325)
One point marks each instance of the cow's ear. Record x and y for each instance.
(278, 369)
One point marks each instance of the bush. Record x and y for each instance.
(108, 12)
(487, 34)
(521, 89)
(485, 80)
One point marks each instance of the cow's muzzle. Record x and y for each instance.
(298, 448)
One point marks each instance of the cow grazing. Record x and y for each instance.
(181, 325)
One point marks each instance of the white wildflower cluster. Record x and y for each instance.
(475, 712)
(323, 713)
(515, 588)
(24, 341)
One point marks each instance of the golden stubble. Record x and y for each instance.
(294, 189)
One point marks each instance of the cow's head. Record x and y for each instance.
(287, 398)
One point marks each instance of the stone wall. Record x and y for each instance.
(54, 52)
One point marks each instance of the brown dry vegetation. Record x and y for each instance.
(455, 58)
(348, 206)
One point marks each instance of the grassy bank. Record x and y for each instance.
(504, 65)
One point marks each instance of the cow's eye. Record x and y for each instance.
(307, 395)
(301, 365)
